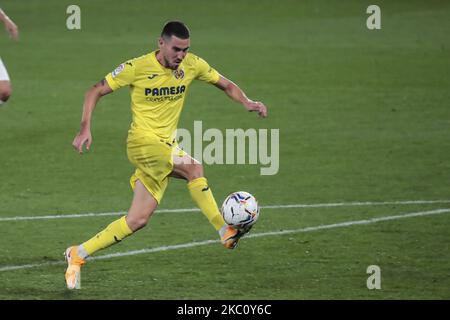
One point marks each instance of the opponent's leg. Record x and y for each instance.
(142, 207)
(5, 91)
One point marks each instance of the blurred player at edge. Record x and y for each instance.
(158, 82)
(5, 84)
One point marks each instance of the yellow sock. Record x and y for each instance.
(204, 199)
(113, 233)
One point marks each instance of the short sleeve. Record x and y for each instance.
(205, 72)
(122, 76)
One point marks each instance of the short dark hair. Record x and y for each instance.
(175, 28)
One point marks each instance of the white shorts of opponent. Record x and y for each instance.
(3, 73)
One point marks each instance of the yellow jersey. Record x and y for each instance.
(158, 93)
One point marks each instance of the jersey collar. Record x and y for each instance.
(160, 66)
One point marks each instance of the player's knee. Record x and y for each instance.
(136, 223)
(195, 171)
(141, 223)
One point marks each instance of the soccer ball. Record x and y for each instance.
(240, 210)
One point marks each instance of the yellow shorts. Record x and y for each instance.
(153, 159)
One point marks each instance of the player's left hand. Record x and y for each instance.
(256, 106)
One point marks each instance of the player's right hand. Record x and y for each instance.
(82, 138)
(257, 106)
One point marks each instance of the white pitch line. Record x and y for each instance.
(282, 206)
(256, 235)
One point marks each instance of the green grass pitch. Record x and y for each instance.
(363, 117)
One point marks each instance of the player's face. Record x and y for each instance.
(173, 51)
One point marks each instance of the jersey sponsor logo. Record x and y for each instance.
(164, 91)
(118, 70)
(178, 74)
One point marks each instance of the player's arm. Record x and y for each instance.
(90, 101)
(10, 26)
(236, 93)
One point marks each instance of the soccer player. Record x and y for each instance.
(159, 82)
(5, 84)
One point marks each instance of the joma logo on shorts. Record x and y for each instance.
(164, 91)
